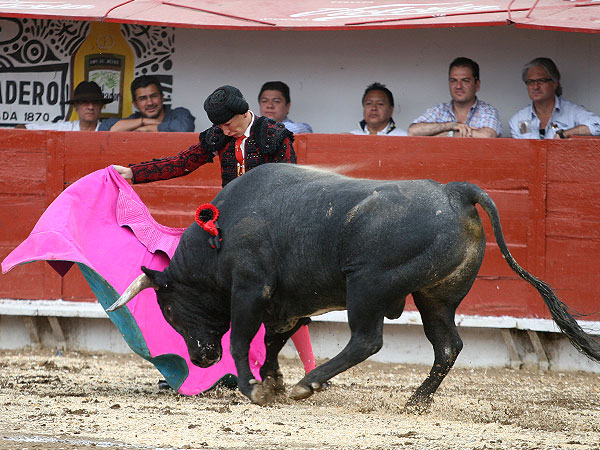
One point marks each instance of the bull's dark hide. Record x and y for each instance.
(299, 241)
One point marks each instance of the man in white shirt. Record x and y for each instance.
(549, 116)
(378, 107)
(88, 101)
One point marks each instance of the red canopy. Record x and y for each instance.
(578, 15)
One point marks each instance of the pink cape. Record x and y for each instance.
(100, 223)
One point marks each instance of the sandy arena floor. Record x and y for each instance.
(106, 401)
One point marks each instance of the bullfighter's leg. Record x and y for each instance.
(365, 319)
(440, 329)
(270, 372)
(301, 340)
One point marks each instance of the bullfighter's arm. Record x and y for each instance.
(173, 166)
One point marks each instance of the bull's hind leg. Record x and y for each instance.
(438, 323)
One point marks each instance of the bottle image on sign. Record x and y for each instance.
(106, 58)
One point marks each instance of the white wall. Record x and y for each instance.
(327, 71)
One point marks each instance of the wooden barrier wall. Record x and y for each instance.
(547, 193)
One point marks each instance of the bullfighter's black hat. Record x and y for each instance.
(224, 103)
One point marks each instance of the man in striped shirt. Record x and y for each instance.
(465, 115)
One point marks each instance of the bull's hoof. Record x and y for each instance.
(261, 394)
(274, 384)
(417, 406)
(301, 391)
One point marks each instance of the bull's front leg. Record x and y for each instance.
(366, 339)
(246, 318)
(274, 342)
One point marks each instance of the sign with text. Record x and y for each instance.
(42, 61)
(33, 94)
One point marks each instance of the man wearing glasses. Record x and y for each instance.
(549, 116)
(151, 114)
(465, 115)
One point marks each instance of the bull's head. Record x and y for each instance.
(194, 314)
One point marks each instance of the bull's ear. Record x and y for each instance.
(156, 276)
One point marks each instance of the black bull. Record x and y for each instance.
(299, 242)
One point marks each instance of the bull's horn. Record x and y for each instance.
(138, 285)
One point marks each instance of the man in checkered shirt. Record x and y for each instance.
(465, 115)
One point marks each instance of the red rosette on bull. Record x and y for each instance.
(206, 217)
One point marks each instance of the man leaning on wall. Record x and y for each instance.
(88, 101)
(151, 114)
(465, 115)
(549, 116)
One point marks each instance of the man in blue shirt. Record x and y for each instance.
(274, 101)
(549, 116)
(151, 114)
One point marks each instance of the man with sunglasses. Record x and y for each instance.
(549, 116)
(151, 114)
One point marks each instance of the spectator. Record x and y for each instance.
(465, 115)
(549, 115)
(151, 114)
(88, 101)
(274, 101)
(378, 107)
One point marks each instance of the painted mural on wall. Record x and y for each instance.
(42, 60)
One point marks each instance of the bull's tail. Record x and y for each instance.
(565, 321)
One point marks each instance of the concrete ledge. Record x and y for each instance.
(489, 341)
(51, 308)
(413, 318)
(61, 308)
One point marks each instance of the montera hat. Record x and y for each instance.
(224, 103)
(88, 91)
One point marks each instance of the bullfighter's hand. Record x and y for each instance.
(125, 172)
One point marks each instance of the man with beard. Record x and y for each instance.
(151, 114)
(465, 115)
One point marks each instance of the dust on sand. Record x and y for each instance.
(90, 401)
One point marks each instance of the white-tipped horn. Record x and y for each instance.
(138, 285)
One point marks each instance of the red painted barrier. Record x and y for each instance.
(546, 191)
